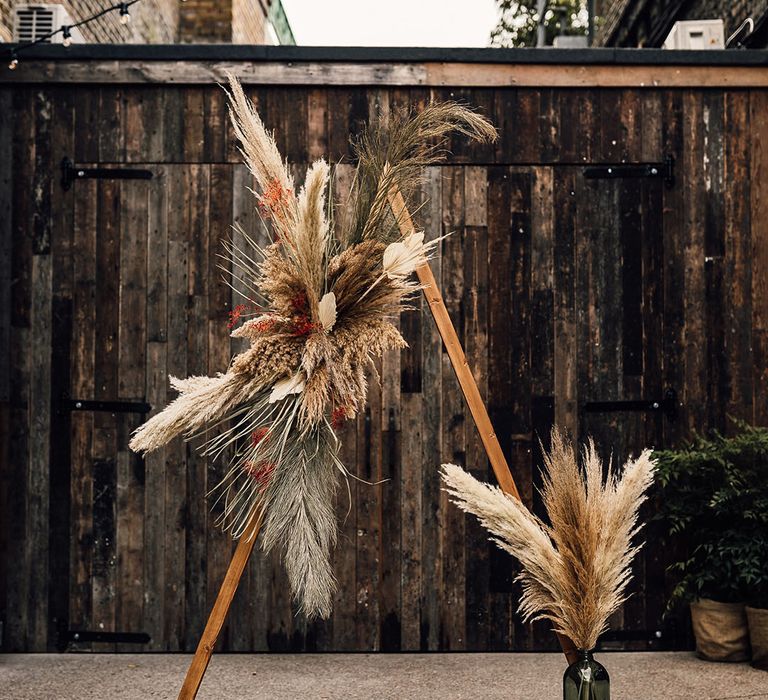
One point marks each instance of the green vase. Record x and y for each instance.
(586, 679)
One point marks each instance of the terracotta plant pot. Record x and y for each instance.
(721, 630)
(758, 636)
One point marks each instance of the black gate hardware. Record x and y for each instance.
(71, 172)
(668, 405)
(109, 406)
(81, 636)
(665, 170)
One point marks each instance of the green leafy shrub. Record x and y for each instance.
(713, 497)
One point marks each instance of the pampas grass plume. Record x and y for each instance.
(575, 570)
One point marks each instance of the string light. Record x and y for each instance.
(66, 30)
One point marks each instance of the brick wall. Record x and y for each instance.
(205, 21)
(223, 21)
(635, 22)
(249, 22)
(152, 21)
(732, 12)
(163, 21)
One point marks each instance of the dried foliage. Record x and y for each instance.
(396, 156)
(575, 569)
(325, 310)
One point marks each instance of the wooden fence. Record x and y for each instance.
(569, 287)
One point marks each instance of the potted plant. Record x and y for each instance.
(713, 500)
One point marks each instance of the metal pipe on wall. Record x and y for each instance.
(541, 31)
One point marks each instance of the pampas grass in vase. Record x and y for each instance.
(575, 568)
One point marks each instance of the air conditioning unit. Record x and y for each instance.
(31, 22)
(696, 35)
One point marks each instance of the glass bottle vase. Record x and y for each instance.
(586, 679)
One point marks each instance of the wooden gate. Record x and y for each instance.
(569, 292)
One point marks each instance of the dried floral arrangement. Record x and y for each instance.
(575, 569)
(326, 298)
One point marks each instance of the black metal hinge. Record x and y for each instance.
(71, 172)
(665, 171)
(68, 404)
(668, 405)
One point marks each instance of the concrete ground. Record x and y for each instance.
(635, 676)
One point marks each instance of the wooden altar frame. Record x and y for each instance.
(501, 470)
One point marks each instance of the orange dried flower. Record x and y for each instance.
(261, 472)
(265, 325)
(338, 417)
(258, 435)
(235, 314)
(303, 326)
(273, 197)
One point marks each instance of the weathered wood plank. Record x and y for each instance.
(368, 518)
(37, 492)
(674, 260)
(244, 629)
(196, 229)
(694, 311)
(21, 145)
(759, 251)
(518, 421)
(453, 74)
(104, 446)
(218, 542)
(739, 267)
(62, 226)
(475, 302)
(175, 487)
(154, 507)
(542, 338)
(454, 424)
(129, 533)
(712, 173)
(111, 125)
(431, 415)
(500, 390)
(131, 369)
(82, 371)
(317, 124)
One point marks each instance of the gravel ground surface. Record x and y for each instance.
(635, 676)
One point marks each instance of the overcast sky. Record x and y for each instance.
(391, 22)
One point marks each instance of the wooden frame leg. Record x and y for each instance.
(218, 615)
